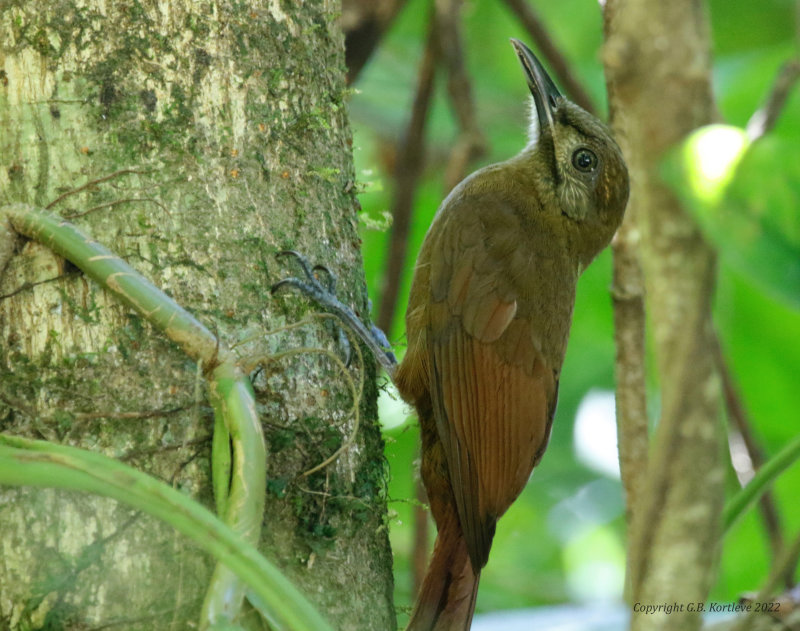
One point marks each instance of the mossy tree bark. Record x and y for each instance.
(195, 139)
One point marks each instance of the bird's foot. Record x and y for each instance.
(323, 292)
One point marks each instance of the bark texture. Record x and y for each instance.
(204, 137)
(658, 68)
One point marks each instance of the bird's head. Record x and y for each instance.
(582, 165)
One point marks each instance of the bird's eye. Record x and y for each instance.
(584, 160)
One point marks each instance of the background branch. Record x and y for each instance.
(471, 143)
(410, 159)
(764, 119)
(364, 23)
(629, 338)
(742, 430)
(555, 59)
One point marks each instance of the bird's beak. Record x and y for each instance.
(544, 91)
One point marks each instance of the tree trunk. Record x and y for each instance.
(659, 75)
(195, 139)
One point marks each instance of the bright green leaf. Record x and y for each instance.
(746, 199)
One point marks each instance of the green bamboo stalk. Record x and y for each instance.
(105, 267)
(26, 462)
(761, 481)
(239, 485)
(232, 398)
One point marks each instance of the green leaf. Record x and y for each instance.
(746, 199)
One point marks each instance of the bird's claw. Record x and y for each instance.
(324, 293)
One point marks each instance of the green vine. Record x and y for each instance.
(238, 449)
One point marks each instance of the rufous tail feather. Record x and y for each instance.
(446, 600)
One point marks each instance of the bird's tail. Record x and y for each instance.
(446, 599)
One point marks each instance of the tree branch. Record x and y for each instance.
(407, 172)
(764, 119)
(629, 335)
(91, 183)
(676, 519)
(743, 428)
(783, 565)
(471, 143)
(558, 63)
(364, 23)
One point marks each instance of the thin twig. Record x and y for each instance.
(764, 119)
(91, 183)
(471, 143)
(782, 566)
(328, 494)
(356, 394)
(117, 202)
(150, 451)
(125, 416)
(364, 23)
(558, 63)
(743, 426)
(355, 390)
(409, 166)
(18, 406)
(31, 284)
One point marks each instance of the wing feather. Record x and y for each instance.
(491, 391)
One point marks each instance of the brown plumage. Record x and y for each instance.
(487, 325)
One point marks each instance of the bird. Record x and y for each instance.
(487, 324)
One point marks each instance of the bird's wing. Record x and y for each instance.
(492, 392)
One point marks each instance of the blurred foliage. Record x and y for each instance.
(564, 539)
(746, 199)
